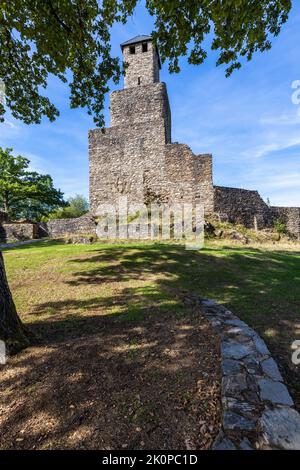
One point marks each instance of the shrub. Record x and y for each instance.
(279, 226)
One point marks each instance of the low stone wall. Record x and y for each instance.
(18, 231)
(246, 207)
(257, 408)
(63, 227)
(242, 206)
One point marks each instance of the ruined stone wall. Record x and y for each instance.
(135, 161)
(121, 158)
(242, 206)
(62, 227)
(290, 216)
(204, 191)
(128, 158)
(248, 208)
(11, 232)
(188, 176)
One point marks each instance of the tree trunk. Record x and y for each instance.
(5, 202)
(12, 331)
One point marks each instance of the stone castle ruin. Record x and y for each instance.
(135, 157)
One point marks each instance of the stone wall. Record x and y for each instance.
(290, 216)
(11, 232)
(248, 208)
(242, 206)
(188, 176)
(141, 104)
(63, 227)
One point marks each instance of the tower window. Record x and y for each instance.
(139, 80)
(132, 49)
(145, 47)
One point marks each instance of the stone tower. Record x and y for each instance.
(135, 156)
(143, 61)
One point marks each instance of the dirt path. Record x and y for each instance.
(151, 385)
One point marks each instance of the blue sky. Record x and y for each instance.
(247, 121)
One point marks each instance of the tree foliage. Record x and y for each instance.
(25, 193)
(70, 39)
(76, 206)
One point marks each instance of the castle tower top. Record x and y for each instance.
(143, 61)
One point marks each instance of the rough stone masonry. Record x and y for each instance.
(136, 157)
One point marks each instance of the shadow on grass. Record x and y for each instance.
(261, 287)
(137, 366)
(132, 385)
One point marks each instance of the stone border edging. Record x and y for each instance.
(257, 409)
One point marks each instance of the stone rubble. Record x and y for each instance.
(257, 408)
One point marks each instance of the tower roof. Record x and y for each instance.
(140, 38)
(136, 40)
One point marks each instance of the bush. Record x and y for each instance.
(279, 226)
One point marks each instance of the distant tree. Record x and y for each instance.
(25, 193)
(76, 206)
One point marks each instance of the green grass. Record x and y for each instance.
(60, 287)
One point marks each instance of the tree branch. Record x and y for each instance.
(59, 20)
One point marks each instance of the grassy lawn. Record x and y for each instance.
(122, 360)
(69, 291)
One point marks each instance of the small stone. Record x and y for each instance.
(216, 323)
(251, 396)
(245, 444)
(241, 407)
(281, 428)
(275, 392)
(270, 368)
(261, 346)
(236, 322)
(252, 365)
(233, 385)
(234, 350)
(230, 367)
(208, 303)
(234, 421)
(243, 331)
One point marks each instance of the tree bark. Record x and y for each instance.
(5, 202)
(12, 331)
